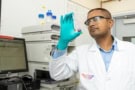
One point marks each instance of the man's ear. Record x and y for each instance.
(111, 22)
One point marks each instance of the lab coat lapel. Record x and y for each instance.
(97, 60)
(117, 56)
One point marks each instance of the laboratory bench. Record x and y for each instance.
(62, 85)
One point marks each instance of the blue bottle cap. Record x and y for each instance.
(53, 17)
(41, 16)
(49, 13)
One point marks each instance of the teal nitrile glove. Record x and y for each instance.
(67, 31)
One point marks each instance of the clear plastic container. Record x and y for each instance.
(48, 16)
(54, 19)
(41, 18)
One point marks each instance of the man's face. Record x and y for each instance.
(99, 24)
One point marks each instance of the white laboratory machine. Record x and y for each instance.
(40, 39)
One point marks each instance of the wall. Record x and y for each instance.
(20, 13)
(120, 7)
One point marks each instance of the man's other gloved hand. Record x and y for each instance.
(67, 31)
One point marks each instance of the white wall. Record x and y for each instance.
(19, 13)
(123, 6)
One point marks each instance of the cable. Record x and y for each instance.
(23, 84)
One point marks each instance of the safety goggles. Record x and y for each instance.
(94, 19)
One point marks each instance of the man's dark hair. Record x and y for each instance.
(105, 11)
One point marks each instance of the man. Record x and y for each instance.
(107, 64)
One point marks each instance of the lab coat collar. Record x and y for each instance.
(119, 46)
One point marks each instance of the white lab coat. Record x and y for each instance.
(88, 62)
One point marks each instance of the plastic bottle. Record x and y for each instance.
(41, 18)
(54, 19)
(48, 16)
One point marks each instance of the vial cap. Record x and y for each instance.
(41, 16)
(53, 17)
(49, 13)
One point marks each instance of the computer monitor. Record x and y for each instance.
(13, 56)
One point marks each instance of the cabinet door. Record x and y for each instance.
(124, 27)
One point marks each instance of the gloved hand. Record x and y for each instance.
(67, 31)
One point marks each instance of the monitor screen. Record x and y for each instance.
(13, 56)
